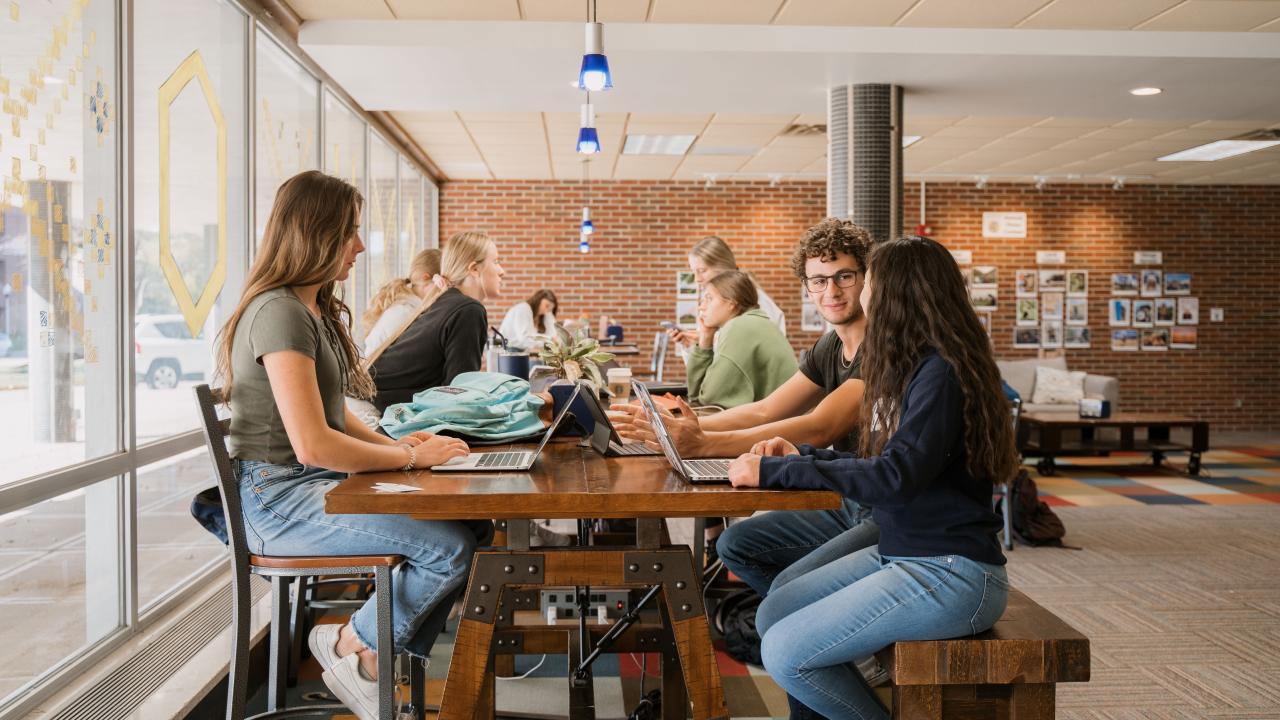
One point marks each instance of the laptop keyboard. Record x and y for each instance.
(631, 449)
(502, 459)
(708, 468)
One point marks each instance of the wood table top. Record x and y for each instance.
(1116, 419)
(567, 481)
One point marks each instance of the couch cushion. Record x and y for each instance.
(1057, 386)
(1021, 374)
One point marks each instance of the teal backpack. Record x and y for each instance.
(483, 405)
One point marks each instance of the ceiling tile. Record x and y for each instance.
(341, 10)
(1051, 132)
(1082, 122)
(725, 134)
(780, 160)
(1096, 14)
(973, 132)
(646, 167)
(860, 12)
(811, 119)
(652, 128)
(1216, 15)
(1122, 133)
(1273, 26)
(719, 12)
(969, 13)
(698, 119)
(630, 11)
(752, 119)
(694, 166)
(453, 9)
(986, 121)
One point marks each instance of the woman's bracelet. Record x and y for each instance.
(413, 457)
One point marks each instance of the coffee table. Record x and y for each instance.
(1041, 434)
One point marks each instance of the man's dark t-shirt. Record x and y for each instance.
(825, 366)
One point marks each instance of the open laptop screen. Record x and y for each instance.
(551, 429)
(660, 430)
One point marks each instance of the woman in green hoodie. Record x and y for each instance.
(741, 356)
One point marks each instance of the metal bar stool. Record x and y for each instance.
(282, 571)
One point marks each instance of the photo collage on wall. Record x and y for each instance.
(1051, 308)
(686, 300)
(1152, 311)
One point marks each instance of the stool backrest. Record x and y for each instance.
(216, 430)
(659, 358)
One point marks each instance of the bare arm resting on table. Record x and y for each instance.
(297, 394)
(834, 417)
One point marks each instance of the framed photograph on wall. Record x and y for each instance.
(1155, 339)
(687, 314)
(983, 299)
(686, 286)
(984, 276)
(1119, 315)
(1077, 311)
(1151, 283)
(810, 319)
(1051, 306)
(1177, 283)
(1051, 334)
(1124, 284)
(1166, 310)
(1124, 340)
(1144, 313)
(1188, 311)
(1183, 338)
(1026, 337)
(1028, 312)
(1077, 283)
(1075, 337)
(1053, 280)
(1026, 284)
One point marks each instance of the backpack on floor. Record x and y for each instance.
(1034, 522)
(735, 619)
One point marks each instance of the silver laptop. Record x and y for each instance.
(604, 436)
(507, 459)
(711, 470)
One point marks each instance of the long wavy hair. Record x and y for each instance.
(464, 251)
(918, 302)
(535, 301)
(312, 220)
(425, 264)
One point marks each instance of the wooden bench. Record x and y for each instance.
(1009, 671)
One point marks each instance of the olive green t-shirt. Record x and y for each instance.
(274, 321)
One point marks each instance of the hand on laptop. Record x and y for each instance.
(776, 447)
(683, 427)
(745, 471)
(436, 449)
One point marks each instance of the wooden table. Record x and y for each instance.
(1048, 442)
(570, 481)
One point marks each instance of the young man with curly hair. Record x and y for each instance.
(818, 406)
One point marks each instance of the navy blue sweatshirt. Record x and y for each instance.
(923, 497)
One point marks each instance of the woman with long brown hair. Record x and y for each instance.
(535, 316)
(936, 434)
(286, 358)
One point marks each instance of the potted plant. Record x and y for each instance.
(573, 357)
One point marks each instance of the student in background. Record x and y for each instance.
(286, 358)
(535, 316)
(934, 438)
(447, 334)
(740, 356)
(396, 301)
(709, 257)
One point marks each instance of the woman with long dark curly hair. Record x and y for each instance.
(936, 434)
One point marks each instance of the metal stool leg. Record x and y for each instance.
(277, 673)
(298, 629)
(238, 672)
(386, 646)
(1007, 511)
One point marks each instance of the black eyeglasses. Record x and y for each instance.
(844, 279)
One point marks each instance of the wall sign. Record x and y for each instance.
(1148, 257)
(963, 257)
(1051, 257)
(1004, 224)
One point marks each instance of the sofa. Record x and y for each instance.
(1021, 375)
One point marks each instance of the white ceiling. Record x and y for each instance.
(486, 92)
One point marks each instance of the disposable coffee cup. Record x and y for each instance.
(619, 382)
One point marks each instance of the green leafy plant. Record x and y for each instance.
(574, 356)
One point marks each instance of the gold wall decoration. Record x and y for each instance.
(195, 313)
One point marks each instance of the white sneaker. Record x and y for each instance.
(360, 694)
(323, 642)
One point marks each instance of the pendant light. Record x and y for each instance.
(588, 138)
(594, 75)
(588, 227)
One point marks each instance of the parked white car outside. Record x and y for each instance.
(166, 352)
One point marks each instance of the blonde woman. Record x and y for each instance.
(749, 359)
(286, 358)
(398, 299)
(446, 335)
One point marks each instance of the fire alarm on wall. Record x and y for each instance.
(924, 230)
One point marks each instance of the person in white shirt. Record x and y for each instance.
(519, 326)
(392, 306)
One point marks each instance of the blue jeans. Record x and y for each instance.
(283, 507)
(862, 603)
(780, 545)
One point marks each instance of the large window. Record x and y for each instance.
(59, 237)
(345, 138)
(412, 238)
(288, 124)
(381, 235)
(190, 206)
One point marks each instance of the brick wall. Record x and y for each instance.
(1227, 237)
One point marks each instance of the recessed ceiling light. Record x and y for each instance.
(1144, 91)
(1221, 149)
(657, 144)
(909, 140)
